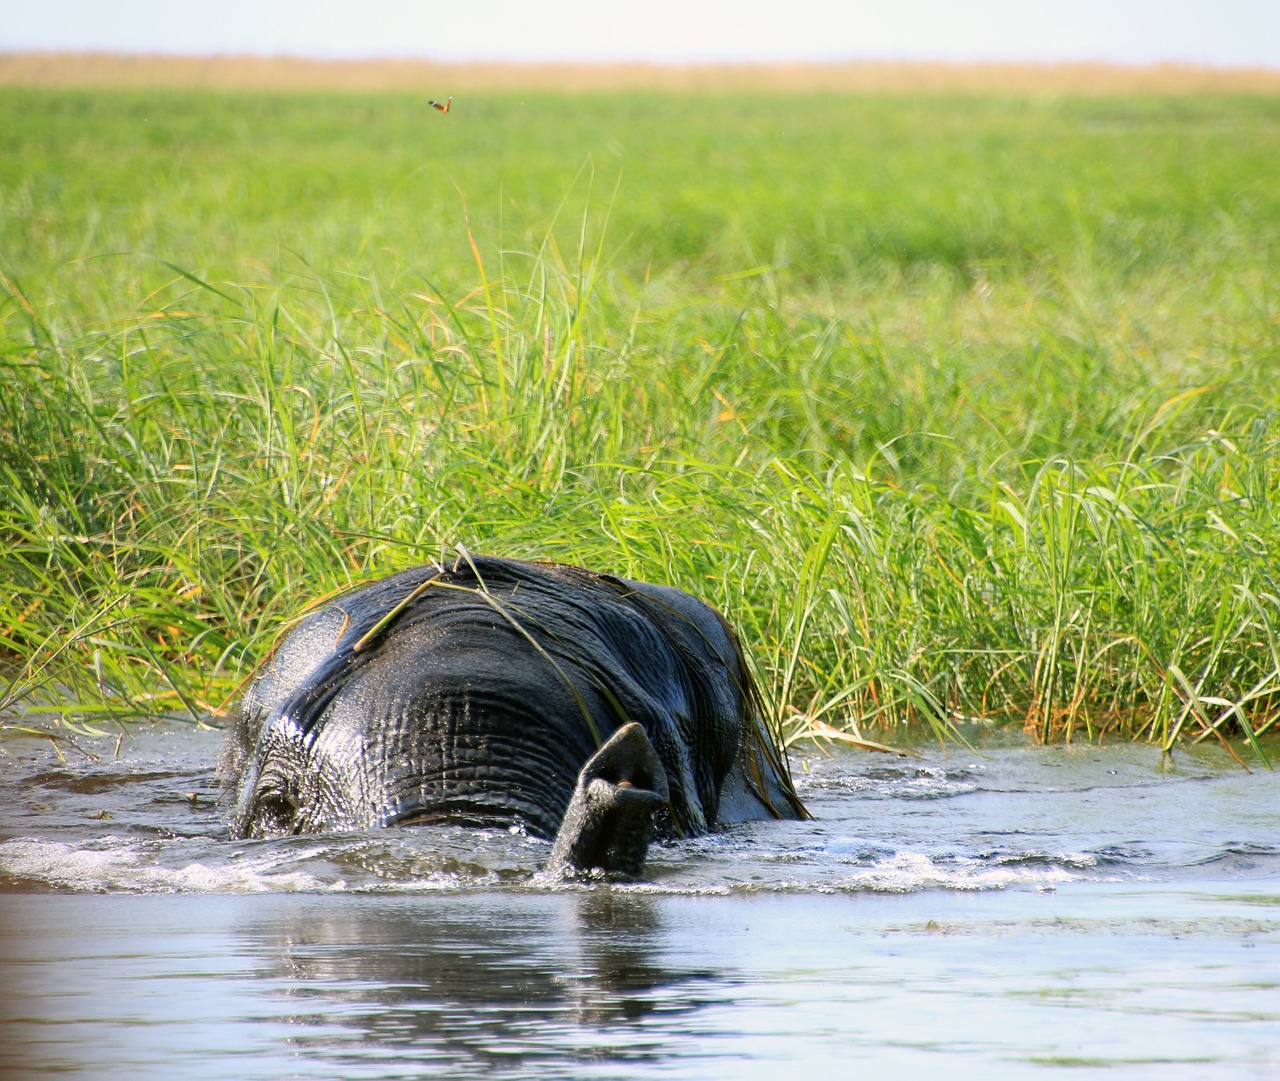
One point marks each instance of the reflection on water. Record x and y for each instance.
(476, 987)
(601, 983)
(1003, 912)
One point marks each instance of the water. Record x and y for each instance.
(1011, 913)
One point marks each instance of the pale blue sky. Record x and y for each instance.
(1218, 32)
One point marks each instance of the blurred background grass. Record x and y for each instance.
(959, 405)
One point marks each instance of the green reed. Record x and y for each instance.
(959, 408)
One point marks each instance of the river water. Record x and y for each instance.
(1010, 911)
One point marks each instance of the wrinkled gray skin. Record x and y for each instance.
(594, 710)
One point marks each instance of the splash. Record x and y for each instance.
(114, 865)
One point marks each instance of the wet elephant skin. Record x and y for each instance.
(486, 692)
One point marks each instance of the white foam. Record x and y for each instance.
(113, 865)
(120, 864)
(907, 872)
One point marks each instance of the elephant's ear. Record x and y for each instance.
(291, 664)
(697, 631)
(764, 766)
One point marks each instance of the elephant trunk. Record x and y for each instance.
(609, 822)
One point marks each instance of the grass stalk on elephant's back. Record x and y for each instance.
(956, 406)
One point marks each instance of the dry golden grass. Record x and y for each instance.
(294, 73)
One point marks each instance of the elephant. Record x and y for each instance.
(591, 710)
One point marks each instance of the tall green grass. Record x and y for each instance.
(958, 407)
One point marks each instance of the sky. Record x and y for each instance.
(1225, 33)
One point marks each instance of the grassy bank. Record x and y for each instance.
(958, 406)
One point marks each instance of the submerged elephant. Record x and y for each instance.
(594, 710)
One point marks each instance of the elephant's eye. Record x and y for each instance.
(275, 812)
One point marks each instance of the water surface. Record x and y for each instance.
(1010, 912)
